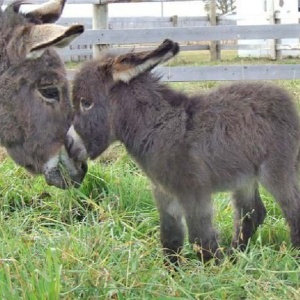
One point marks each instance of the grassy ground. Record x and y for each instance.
(102, 241)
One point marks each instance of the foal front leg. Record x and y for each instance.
(171, 225)
(198, 211)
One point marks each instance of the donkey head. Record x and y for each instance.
(35, 109)
(98, 93)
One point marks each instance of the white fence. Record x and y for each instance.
(199, 35)
(193, 32)
(84, 49)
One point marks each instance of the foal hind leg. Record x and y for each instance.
(171, 225)
(284, 186)
(249, 213)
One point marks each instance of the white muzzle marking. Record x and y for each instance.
(81, 153)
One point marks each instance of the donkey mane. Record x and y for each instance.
(10, 18)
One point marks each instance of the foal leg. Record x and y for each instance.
(249, 213)
(171, 225)
(198, 211)
(284, 186)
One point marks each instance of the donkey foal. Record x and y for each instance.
(230, 138)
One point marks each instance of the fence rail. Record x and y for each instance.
(121, 32)
(218, 33)
(224, 73)
(187, 35)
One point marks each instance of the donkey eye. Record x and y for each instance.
(86, 104)
(51, 94)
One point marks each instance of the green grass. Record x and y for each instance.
(101, 241)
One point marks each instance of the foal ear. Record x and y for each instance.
(40, 37)
(131, 65)
(48, 12)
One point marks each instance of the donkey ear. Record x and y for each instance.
(48, 12)
(30, 41)
(131, 65)
(40, 37)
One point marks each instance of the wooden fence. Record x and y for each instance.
(101, 35)
(83, 46)
(213, 33)
(275, 46)
(82, 51)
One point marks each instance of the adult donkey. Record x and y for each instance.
(35, 109)
(230, 138)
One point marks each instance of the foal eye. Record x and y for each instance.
(51, 94)
(86, 104)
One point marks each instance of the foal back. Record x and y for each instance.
(241, 128)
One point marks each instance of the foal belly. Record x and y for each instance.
(231, 182)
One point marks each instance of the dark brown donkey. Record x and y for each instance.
(35, 109)
(230, 138)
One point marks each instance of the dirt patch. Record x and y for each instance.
(3, 154)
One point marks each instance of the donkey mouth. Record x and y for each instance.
(62, 172)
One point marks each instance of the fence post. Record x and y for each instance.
(272, 20)
(174, 21)
(100, 21)
(213, 45)
(278, 53)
